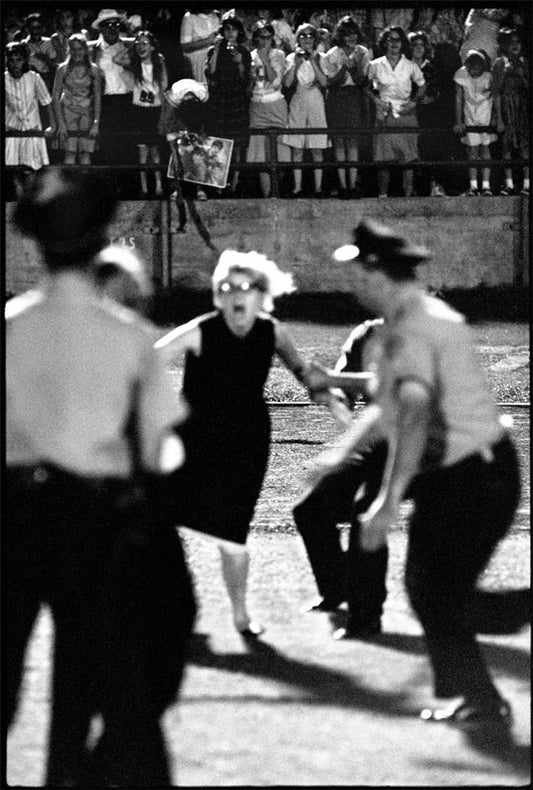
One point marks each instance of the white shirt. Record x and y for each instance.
(147, 84)
(336, 58)
(71, 365)
(193, 28)
(477, 106)
(263, 90)
(395, 85)
(283, 34)
(118, 80)
(428, 341)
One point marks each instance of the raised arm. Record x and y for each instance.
(311, 376)
(179, 341)
(363, 431)
(289, 354)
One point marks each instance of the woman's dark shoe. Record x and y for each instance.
(297, 195)
(470, 716)
(321, 605)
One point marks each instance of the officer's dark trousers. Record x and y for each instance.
(355, 576)
(57, 551)
(460, 513)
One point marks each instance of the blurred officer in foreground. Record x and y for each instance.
(89, 420)
(449, 450)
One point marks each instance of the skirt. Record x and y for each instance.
(144, 122)
(397, 147)
(263, 114)
(307, 109)
(346, 109)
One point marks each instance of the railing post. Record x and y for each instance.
(272, 144)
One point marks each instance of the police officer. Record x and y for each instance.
(448, 450)
(87, 402)
(354, 576)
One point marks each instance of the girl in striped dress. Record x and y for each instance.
(24, 92)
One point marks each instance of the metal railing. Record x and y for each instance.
(275, 167)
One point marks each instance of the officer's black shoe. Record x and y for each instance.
(471, 716)
(358, 630)
(322, 605)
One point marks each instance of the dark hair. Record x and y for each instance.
(384, 37)
(34, 17)
(307, 27)
(258, 28)
(480, 55)
(504, 36)
(67, 213)
(158, 61)
(19, 48)
(59, 13)
(347, 26)
(229, 19)
(419, 35)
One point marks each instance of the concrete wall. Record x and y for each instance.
(475, 241)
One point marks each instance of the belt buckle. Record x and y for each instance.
(40, 475)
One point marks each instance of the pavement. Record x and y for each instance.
(299, 708)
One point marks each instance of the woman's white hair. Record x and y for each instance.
(261, 271)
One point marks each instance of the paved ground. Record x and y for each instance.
(302, 709)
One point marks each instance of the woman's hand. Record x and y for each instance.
(93, 131)
(316, 378)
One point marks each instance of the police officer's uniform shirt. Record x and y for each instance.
(72, 363)
(428, 341)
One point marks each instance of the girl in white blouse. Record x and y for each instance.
(267, 105)
(303, 71)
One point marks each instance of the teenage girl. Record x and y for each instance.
(77, 101)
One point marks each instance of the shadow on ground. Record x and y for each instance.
(322, 685)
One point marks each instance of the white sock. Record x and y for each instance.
(509, 183)
(526, 183)
(473, 184)
(485, 185)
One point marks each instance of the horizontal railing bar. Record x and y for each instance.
(486, 163)
(277, 131)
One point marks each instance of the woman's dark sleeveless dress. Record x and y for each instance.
(227, 437)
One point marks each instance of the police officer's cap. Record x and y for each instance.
(375, 243)
(65, 210)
